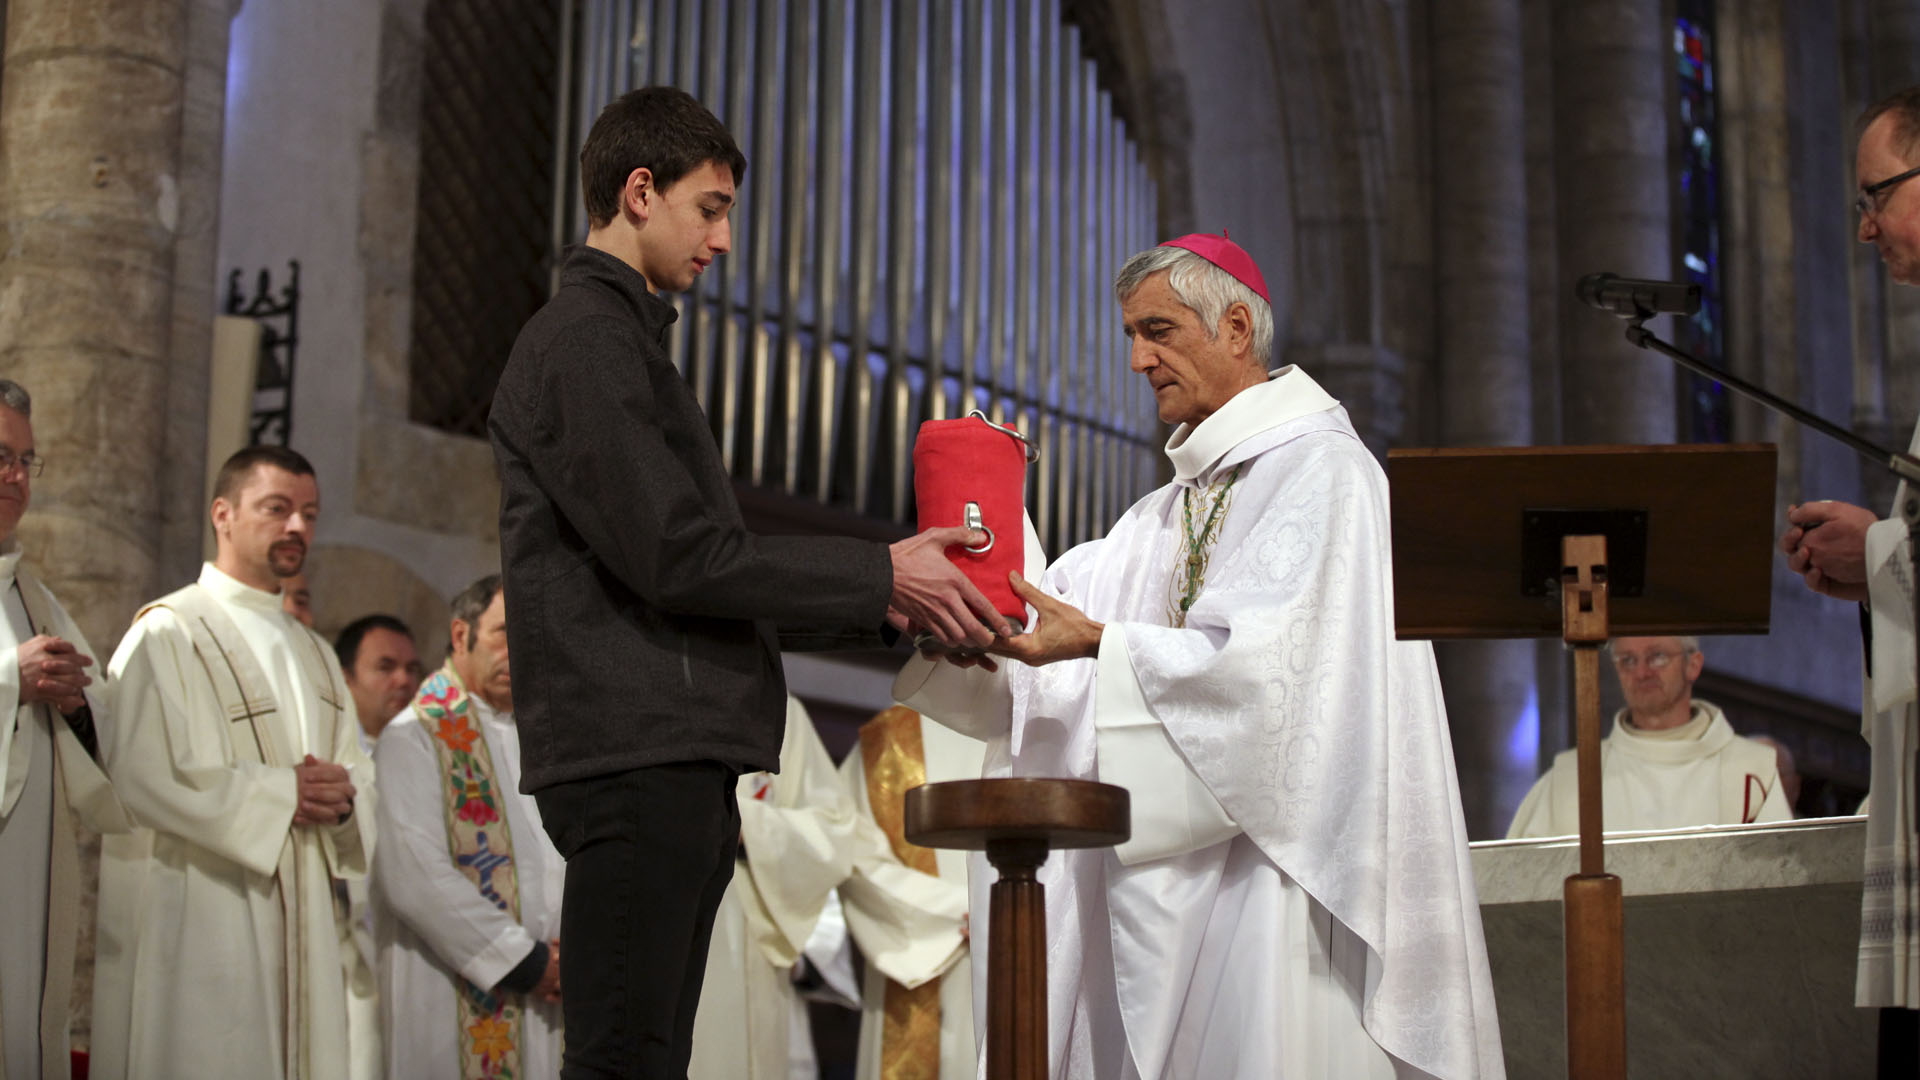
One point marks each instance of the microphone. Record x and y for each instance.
(1635, 298)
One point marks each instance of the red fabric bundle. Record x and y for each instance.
(974, 473)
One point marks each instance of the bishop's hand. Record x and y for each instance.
(1059, 630)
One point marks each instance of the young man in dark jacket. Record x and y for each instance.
(646, 618)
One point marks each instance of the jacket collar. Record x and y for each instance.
(597, 269)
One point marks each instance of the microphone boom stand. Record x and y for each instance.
(1904, 466)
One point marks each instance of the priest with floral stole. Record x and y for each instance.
(1296, 898)
(467, 887)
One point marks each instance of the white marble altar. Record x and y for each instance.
(1740, 949)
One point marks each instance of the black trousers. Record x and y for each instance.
(649, 853)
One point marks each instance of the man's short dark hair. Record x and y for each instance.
(662, 129)
(347, 645)
(474, 600)
(1905, 107)
(233, 474)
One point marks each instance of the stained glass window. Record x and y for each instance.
(1704, 406)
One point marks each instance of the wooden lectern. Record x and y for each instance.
(1017, 821)
(1583, 542)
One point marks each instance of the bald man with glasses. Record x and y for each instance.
(1671, 761)
(1850, 553)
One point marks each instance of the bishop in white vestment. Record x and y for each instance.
(235, 747)
(51, 719)
(467, 886)
(907, 905)
(1672, 760)
(1296, 899)
(796, 831)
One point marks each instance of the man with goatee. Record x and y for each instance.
(236, 746)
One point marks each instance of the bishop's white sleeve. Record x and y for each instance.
(908, 924)
(415, 876)
(1172, 809)
(171, 758)
(972, 701)
(798, 841)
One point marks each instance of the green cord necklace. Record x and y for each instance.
(1191, 571)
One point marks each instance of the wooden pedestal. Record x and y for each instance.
(1017, 822)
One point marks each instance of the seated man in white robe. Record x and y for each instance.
(906, 905)
(235, 747)
(1671, 761)
(50, 727)
(467, 886)
(1296, 899)
(796, 830)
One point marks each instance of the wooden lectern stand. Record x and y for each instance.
(1016, 822)
(1583, 542)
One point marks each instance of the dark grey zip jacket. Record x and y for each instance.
(643, 619)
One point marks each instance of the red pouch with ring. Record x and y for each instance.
(973, 472)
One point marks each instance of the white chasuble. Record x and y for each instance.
(910, 924)
(434, 927)
(47, 779)
(1297, 899)
(1699, 774)
(1889, 973)
(219, 939)
(795, 834)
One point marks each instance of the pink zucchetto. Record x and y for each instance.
(1228, 256)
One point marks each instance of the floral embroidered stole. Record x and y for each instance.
(482, 847)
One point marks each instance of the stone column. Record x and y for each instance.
(1611, 124)
(197, 288)
(90, 118)
(1485, 382)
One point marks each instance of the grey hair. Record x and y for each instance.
(15, 397)
(475, 599)
(1202, 286)
(1688, 643)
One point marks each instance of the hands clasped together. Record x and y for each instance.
(1825, 543)
(53, 671)
(326, 792)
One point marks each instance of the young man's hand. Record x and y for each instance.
(930, 593)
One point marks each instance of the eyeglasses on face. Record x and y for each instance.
(1869, 201)
(30, 463)
(1655, 661)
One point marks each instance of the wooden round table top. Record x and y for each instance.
(968, 814)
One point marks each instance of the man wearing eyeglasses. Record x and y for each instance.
(49, 771)
(1671, 761)
(1850, 553)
